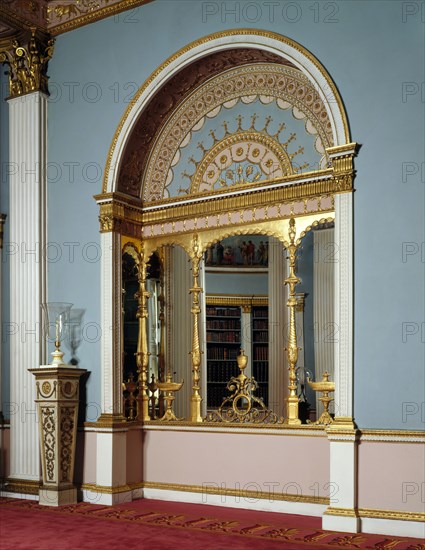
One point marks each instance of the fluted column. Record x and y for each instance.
(2, 221)
(181, 329)
(325, 331)
(27, 207)
(111, 318)
(343, 312)
(278, 376)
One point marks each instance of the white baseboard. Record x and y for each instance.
(107, 499)
(23, 496)
(394, 527)
(263, 505)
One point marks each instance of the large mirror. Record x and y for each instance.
(243, 306)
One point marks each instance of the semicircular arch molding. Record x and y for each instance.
(262, 47)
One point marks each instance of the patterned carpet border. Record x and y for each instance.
(261, 531)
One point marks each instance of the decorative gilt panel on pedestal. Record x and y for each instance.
(57, 405)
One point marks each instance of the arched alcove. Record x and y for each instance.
(235, 134)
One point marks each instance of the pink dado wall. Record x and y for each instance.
(392, 476)
(134, 456)
(249, 462)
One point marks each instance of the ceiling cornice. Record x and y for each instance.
(55, 17)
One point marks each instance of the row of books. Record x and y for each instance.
(261, 353)
(223, 311)
(221, 372)
(262, 336)
(261, 312)
(260, 324)
(260, 371)
(232, 337)
(223, 324)
(222, 353)
(216, 394)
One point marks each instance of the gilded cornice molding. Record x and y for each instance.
(342, 428)
(2, 222)
(27, 60)
(60, 16)
(127, 215)
(236, 300)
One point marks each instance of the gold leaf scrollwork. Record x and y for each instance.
(66, 430)
(48, 423)
(242, 405)
(106, 223)
(28, 65)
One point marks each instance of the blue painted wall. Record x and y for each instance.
(371, 49)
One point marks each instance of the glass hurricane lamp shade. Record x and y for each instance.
(56, 326)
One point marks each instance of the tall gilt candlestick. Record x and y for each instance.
(161, 317)
(142, 355)
(292, 349)
(195, 402)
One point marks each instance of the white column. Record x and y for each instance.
(111, 319)
(181, 331)
(343, 315)
(27, 218)
(325, 333)
(278, 324)
(2, 220)
(111, 463)
(342, 512)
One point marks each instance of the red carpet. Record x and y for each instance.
(143, 524)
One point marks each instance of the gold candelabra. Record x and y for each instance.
(195, 402)
(169, 388)
(142, 354)
(326, 387)
(292, 348)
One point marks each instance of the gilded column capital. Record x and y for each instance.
(342, 159)
(2, 222)
(27, 61)
(119, 214)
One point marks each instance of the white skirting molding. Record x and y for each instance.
(263, 505)
(346, 524)
(22, 496)
(106, 499)
(393, 527)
